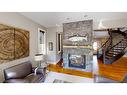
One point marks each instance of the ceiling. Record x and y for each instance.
(52, 19)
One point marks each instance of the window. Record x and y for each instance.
(42, 41)
(95, 46)
(59, 42)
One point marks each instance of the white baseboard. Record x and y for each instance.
(52, 62)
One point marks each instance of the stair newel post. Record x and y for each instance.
(103, 51)
(111, 39)
(97, 53)
(112, 51)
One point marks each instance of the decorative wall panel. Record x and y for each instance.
(14, 43)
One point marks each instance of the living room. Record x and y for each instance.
(63, 47)
(64, 40)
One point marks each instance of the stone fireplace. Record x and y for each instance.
(77, 45)
(81, 56)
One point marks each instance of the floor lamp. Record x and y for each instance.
(39, 58)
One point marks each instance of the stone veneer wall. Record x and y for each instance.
(78, 28)
(81, 28)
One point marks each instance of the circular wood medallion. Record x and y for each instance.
(14, 43)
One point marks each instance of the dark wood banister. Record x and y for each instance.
(106, 46)
(124, 34)
(105, 43)
(117, 43)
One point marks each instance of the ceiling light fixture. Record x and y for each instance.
(85, 15)
(67, 18)
(57, 25)
(101, 26)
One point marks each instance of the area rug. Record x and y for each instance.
(60, 81)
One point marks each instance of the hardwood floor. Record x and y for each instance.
(115, 71)
(58, 68)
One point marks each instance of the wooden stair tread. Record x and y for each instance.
(114, 52)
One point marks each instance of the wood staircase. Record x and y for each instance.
(115, 47)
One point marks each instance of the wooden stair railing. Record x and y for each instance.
(111, 53)
(101, 50)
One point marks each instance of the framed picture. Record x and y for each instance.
(50, 46)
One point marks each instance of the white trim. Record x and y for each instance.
(58, 51)
(50, 62)
(53, 62)
(38, 35)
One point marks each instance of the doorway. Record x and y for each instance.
(41, 41)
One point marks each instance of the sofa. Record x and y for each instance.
(24, 73)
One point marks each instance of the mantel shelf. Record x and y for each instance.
(87, 47)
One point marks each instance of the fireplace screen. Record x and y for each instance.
(77, 61)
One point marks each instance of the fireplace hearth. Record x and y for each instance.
(77, 61)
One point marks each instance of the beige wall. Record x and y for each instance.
(52, 56)
(112, 23)
(19, 21)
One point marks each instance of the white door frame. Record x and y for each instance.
(45, 52)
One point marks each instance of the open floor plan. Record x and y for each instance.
(63, 47)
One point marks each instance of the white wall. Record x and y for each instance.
(19, 21)
(112, 23)
(52, 56)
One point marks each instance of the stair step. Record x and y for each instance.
(124, 40)
(111, 55)
(118, 48)
(107, 56)
(121, 46)
(115, 51)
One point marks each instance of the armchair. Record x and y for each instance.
(23, 73)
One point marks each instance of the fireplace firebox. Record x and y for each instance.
(77, 61)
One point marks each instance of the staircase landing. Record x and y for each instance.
(115, 71)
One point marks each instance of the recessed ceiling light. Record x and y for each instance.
(67, 18)
(85, 15)
(57, 25)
